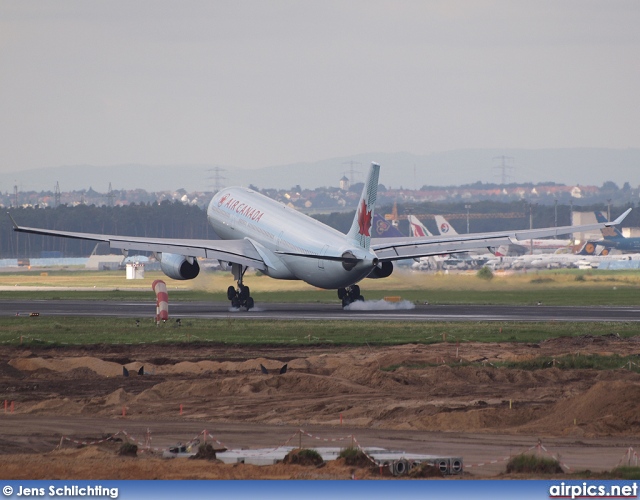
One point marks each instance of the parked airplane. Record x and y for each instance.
(419, 230)
(501, 251)
(538, 245)
(519, 247)
(464, 260)
(259, 232)
(612, 238)
(555, 260)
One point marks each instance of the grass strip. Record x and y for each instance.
(102, 330)
(558, 287)
(597, 296)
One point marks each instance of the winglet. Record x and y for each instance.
(619, 219)
(15, 224)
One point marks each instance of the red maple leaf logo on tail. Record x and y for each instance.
(364, 219)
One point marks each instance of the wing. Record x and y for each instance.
(237, 251)
(388, 249)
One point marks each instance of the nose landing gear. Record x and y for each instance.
(349, 294)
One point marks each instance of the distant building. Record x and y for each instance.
(344, 183)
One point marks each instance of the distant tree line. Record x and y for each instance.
(177, 220)
(164, 220)
(537, 214)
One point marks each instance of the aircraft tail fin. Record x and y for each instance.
(418, 230)
(594, 248)
(384, 229)
(444, 227)
(360, 231)
(610, 232)
(501, 251)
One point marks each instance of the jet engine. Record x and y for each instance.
(179, 267)
(382, 270)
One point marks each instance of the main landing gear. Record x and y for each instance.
(349, 294)
(241, 296)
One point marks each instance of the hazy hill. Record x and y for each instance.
(585, 166)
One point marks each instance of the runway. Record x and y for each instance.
(315, 312)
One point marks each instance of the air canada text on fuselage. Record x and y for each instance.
(241, 208)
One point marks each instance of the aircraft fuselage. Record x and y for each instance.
(277, 230)
(623, 244)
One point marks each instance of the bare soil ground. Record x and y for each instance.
(81, 392)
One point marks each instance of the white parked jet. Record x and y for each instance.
(259, 232)
(517, 247)
(444, 228)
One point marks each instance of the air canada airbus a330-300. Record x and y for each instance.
(282, 243)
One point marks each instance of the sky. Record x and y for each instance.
(254, 83)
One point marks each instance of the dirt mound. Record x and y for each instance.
(303, 457)
(8, 371)
(355, 457)
(96, 464)
(205, 452)
(62, 406)
(440, 387)
(608, 408)
(117, 398)
(401, 387)
(103, 368)
(582, 341)
(128, 450)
